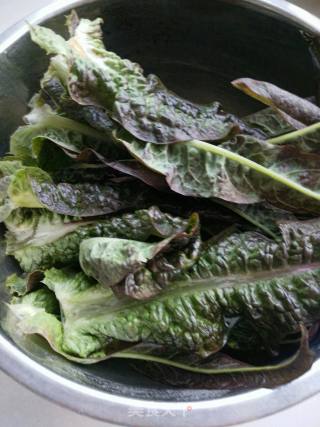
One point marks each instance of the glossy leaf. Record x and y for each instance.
(244, 172)
(38, 313)
(157, 115)
(40, 240)
(56, 94)
(220, 371)
(87, 200)
(38, 227)
(140, 270)
(242, 278)
(44, 125)
(141, 104)
(30, 187)
(37, 144)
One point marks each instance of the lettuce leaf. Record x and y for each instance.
(36, 313)
(15, 190)
(262, 215)
(55, 143)
(141, 270)
(244, 171)
(45, 125)
(243, 278)
(270, 122)
(38, 227)
(191, 307)
(101, 78)
(7, 169)
(22, 285)
(220, 371)
(298, 108)
(306, 140)
(31, 187)
(54, 85)
(56, 94)
(39, 239)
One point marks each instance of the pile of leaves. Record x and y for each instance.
(152, 228)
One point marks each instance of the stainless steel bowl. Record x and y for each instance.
(197, 47)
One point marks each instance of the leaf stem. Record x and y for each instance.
(282, 139)
(219, 151)
(199, 370)
(56, 121)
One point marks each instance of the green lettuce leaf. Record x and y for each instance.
(54, 89)
(22, 285)
(44, 125)
(36, 313)
(56, 94)
(56, 143)
(141, 104)
(140, 270)
(157, 115)
(31, 187)
(7, 169)
(306, 140)
(93, 199)
(270, 122)
(38, 227)
(39, 239)
(244, 171)
(262, 215)
(243, 278)
(224, 258)
(15, 190)
(54, 85)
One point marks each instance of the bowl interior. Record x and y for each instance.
(196, 47)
